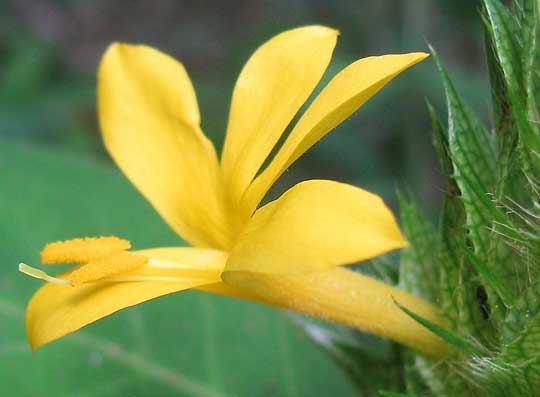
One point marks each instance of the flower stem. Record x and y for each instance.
(349, 298)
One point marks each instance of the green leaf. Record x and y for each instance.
(489, 277)
(509, 163)
(516, 369)
(489, 227)
(473, 155)
(418, 274)
(504, 31)
(452, 231)
(474, 159)
(515, 43)
(459, 282)
(521, 359)
(427, 270)
(522, 316)
(189, 344)
(440, 143)
(448, 336)
(440, 376)
(532, 52)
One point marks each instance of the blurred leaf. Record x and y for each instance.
(372, 363)
(41, 99)
(414, 380)
(386, 393)
(188, 344)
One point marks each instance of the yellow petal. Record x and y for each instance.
(345, 93)
(275, 82)
(314, 226)
(348, 298)
(56, 310)
(150, 123)
(231, 291)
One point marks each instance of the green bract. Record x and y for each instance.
(482, 264)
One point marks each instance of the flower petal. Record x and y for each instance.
(150, 123)
(348, 298)
(229, 290)
(314, 226)
(56, 310)
(345, 93)
(275, 82)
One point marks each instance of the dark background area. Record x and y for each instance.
(49, 52)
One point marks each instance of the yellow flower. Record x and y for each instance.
(284, 253)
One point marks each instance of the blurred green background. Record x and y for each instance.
(56, 181)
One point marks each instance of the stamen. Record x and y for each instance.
(190, 270)
(117, 268)
(98, 269)
(81, 250)
(40, 274)
(150, 278)
(167, 265)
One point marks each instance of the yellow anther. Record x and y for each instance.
(101, 268)
(81, 250)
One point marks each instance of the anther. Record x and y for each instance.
(98, 269)
(81, 250)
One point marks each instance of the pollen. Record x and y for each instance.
(104, 267)
(81, 250)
